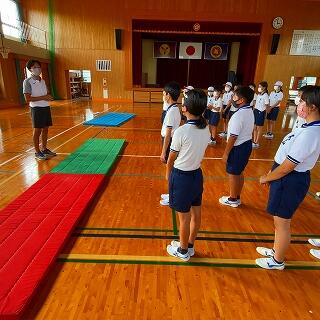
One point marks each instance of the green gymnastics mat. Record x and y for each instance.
(95, 156)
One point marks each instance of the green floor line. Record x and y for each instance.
(201, 231)
(183, 264)
(174, 222)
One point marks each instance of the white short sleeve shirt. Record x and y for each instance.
(301, 147)
(274, 97)
(227, 96)
(190, 142)
(217, 103)
(241, 125)
(171, 120)
(36, 88)
(262, 101)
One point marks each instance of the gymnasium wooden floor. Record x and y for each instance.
(115, 266)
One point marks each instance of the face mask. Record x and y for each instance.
(227, 89)
(276, 88)
(234, 103)
(36, 72)
(165, 105)
(302, 110)
(259, 89)
(296, 100)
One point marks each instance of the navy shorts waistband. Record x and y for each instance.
(275, 165)
(191, 172)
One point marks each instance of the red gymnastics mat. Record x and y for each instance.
(33, 229)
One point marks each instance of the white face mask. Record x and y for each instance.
(296, 100)
(276, 88)
(227, 88)
(259, 89)
(36, 71)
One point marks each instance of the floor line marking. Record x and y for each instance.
(201, 231)
(167, 260)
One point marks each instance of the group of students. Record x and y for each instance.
(266, 107)
(183, 149)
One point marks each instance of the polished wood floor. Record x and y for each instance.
(115, 266)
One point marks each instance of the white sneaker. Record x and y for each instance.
(225, 201)
(269, 263)
(173, 251)
(315, 253)
(165, 196)
(318, 194)
(255, 145)
(314, 242)
(176, 244)
(164, 202)
(265, 251)
(222, 134)
(212, 142)
(265, 135)
(269, 136)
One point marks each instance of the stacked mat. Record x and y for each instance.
(111, 119)
(35, 226)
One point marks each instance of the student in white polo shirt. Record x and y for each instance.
(215, 114)
(188, 146)
(262, 103)
(210, 98)
(171, 122)
(36, 94)
(226, 101)
(275, 98)
(290, 177)
(239, 145)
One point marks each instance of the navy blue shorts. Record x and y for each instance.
(273, 114)
(259, 117)
(287, 193)
(214, 118)
(185, 189)
(207, 114)
(231, 113)
(238, 158)
(225, 113)
(41, 117)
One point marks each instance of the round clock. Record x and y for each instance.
(277, 22)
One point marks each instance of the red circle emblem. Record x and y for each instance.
(190, 50)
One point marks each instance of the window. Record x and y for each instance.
(9, 14)
(86, 75)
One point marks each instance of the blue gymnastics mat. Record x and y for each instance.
(111, 119)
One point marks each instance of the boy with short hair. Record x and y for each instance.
(171, 122)
(36, 94)
(239, 145)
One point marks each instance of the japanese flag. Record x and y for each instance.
(190, 50)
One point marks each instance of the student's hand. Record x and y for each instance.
(167, 176)
(263, 179)
(49, 97)
(163, 158)
(224, 158)
(210, 106)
